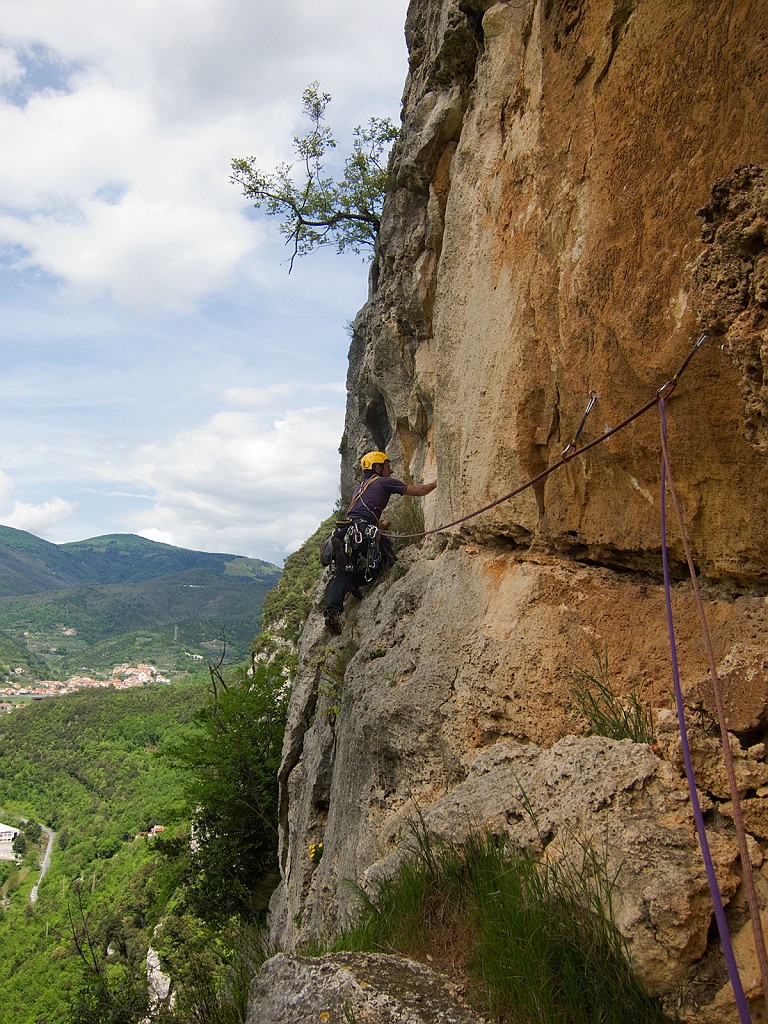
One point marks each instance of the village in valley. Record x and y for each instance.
(124, 677)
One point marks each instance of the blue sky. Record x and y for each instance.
(163, 374)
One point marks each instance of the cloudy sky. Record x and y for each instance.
(162, 372)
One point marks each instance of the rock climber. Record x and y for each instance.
(360, 549)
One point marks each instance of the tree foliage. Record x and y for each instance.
(107, 992)
(90, 766)
(230, 762)
(288, 604)
(101, 767)
(318, 209)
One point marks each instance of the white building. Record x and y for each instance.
(7, 834)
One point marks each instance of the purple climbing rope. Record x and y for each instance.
(698, 817)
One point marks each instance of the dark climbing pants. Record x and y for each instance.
(363, 572)
(340, 585)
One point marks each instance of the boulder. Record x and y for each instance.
(363, 987)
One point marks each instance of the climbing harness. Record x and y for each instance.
(372, 552)
(354, 544)
(336, 541)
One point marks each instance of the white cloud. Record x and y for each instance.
(11, 69)
(144, 253)
(147, 219)
(194, 55)
(6, 486)
(273, 397)
(39, 519)
(239, 484)
(137, 287)
(133, 198)
(34, 518)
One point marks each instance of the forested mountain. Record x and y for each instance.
(29, 564)
(93, 603)
(100, 768)
(87, 766)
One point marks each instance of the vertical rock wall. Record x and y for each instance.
(580, 188)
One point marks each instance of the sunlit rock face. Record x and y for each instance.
(579, 190)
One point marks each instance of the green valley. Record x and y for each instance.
(88, 766)
(163, 801)
(88, 605)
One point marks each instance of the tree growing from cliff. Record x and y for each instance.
(230, 761)
(315, 208)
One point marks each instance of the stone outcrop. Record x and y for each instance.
(731, 280)
(580, 189)
(633, 810)
(370, 989)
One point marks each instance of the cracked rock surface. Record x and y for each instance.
(579, 189)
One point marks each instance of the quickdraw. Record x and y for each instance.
(577, 435)
(570, 452)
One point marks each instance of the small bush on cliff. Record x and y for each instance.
(211, 970)
(607, 713)
(533, 939)
(407, 518)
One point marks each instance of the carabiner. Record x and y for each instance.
(587, 411)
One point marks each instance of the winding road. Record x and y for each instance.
(50, 835)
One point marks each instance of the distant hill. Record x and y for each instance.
(29, 565)
(93, 603)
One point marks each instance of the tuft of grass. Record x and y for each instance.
(606, 713)
(334, 667)
(533, 940)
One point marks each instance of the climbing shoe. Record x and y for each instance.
(333, 621)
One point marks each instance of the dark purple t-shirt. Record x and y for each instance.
(370, 505)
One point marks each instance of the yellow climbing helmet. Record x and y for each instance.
(372, 459)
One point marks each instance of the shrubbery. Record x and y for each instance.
(532, 938)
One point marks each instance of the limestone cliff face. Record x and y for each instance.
(580, 188)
